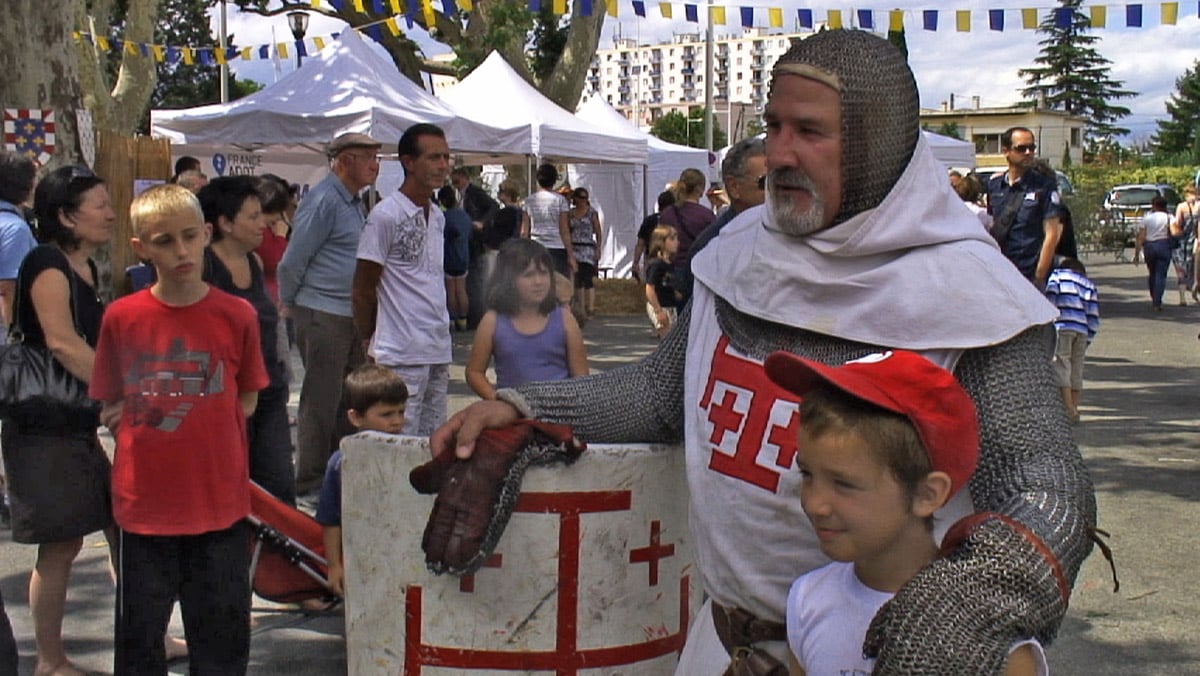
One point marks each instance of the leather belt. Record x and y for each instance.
(739, 631)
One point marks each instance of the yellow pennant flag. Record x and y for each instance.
(393, 27)
(466, 5)
(1029, 20)
(718, 15)
(247, 55)
(358, 7)
(219, 54)
(160, 53)
(131, 48)
(835, 19)
(665, 9)
(962, 20)
(102, 43)
(395, 5)
(612, 7)
(896, 20)
(1099, 16)
(1170, 13)
(320, 43)
(775, 17)
(560, 6)
(189, 56)
(316, 4)
(430, 16)
(281, 49)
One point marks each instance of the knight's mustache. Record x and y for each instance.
(791, 178)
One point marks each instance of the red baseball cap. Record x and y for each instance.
(902, 382)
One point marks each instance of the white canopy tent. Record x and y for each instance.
(348, 87)
(628, 193)
(951, 151)
(495, 94)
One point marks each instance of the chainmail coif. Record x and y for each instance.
(880, 107)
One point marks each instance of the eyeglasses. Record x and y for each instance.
(1025, 148)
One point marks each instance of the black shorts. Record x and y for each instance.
(585, 278)
(561, 264)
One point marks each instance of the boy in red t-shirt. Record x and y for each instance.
(178, 367)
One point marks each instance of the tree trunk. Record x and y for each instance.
(39, 66)
(119, 107)
(565, 83)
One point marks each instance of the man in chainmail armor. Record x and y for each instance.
(861, 246)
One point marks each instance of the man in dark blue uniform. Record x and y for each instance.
(1025, 207)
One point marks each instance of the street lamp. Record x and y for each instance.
(298, 22)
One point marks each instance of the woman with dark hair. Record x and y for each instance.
(278, 200)
(58, 474)
(689, 218)
(545, 220)
(17, 174)
(1154, 238)
(231, 205)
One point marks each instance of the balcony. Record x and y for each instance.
(687, 71)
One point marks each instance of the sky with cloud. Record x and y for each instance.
(982, 63)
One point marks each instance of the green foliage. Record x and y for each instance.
(753, 128)
(1178, 138)
(1072, 76)
(673, 127)
(897, 38)
(507, 22)
(945, 129)
(549, 40)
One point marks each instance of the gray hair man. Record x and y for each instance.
(315, 279)
(744, 172)
(861, 247)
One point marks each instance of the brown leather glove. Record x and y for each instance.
(476, 496)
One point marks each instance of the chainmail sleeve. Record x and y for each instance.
(1029, 467)
(641, 402)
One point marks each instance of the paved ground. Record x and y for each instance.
(1138, 434)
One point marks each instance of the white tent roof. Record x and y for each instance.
(951, 151)
(495, 93)
(348, 87)
(662, 153)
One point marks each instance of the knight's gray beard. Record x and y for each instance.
(787, 216)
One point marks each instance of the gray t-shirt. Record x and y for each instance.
(544, 208)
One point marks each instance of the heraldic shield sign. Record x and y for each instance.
(593, 575)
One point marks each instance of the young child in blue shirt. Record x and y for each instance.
(1078, 303)
(885, 441)
(375, 400)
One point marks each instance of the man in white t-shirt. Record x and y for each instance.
(545, 221)
(399, 296)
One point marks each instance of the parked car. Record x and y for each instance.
(1124, 206)
(1133, 200)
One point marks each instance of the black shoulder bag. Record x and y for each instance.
(1004, 222)
(35, 385)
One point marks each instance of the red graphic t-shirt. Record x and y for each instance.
(182, 461)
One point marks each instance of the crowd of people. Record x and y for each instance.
(843, 292)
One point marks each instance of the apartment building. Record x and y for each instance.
(1057, 133)
(646, 81)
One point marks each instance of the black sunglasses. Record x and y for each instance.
(1026, 148)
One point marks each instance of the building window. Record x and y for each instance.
(739, 61)
(1076, 137)
(986, 144)
(740, 74)
(671, 80)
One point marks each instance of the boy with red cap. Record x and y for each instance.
(885, 441)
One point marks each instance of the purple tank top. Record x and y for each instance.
(521, 359)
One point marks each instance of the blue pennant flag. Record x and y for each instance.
(805, 17)
(747, 17)
(1133, 16)
(639, 8)
(929, 19)
(691, 14)
(866, 19)
(585, 7)
(1063, 17)
(449, 8)
(996, 19)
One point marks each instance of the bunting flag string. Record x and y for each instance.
(1136, 15)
